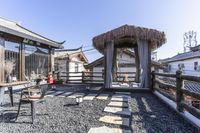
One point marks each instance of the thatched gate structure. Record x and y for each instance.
(143, 41)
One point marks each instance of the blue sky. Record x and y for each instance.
(78, 21)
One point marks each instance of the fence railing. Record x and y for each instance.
(180, 91)
(92, 77)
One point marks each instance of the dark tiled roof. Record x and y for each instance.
(189, 85)
(182, 56)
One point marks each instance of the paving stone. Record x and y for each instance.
(123, 99)
(76, 95)
(115, 120)
(54, 94)
(118, 111)
(124, 93)
(103, 96)
(65, 94)
(90, 96)
(105, 129)
(121, 95)
(118, 104)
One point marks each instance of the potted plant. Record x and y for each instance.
(9, 67)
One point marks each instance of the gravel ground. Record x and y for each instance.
(151, 116)
(64, 116)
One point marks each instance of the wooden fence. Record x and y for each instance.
(180, 91)
(91, 77)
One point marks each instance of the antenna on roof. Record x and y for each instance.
(189, 40)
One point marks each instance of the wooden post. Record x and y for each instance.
(58, 75)
(149, 66)
(179, 93)
(22, 62)
(152, 80)
(83, 77)
(137, 65)
(114, 65)
(104, 65)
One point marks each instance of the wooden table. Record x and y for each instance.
(3, 86)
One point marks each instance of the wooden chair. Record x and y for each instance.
(32, 95)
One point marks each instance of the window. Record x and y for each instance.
(76, 67)
(36, 60)
(12, 54)
(195, 66)
(181, 66)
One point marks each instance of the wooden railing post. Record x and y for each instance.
(179, 93)
(58, 75)
(83, 77)
(152, 80)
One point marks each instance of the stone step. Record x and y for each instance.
(66, 94)
(124, 93)
(118, 111)
(54, 94)
(103, 96)
(121, 95)
(105, 129)
(118, 104)
(90, 96)
(115, 120)
(122, 99)
(76, 95)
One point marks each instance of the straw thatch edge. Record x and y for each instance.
(154, 37)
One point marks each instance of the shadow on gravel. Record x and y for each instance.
(71, 104)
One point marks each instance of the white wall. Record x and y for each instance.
(189, 66)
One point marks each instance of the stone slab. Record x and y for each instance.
(90, 96)
(118, 104)
(103, 96)
(76, 95)
(66, 94)
(105, 129)
(54, 94)
(115, 120)
(122, 99)
(118, 111)
(123, 93)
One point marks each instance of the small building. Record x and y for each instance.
(126, 66)
(71, 62)
(188, 62)
(29, 51)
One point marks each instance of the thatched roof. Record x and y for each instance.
(128, 35)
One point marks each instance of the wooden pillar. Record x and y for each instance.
(51, 60)
(114, 65)
(149, 66)
(2, 58)
(137, 65)
(22, 62)
(104, 71)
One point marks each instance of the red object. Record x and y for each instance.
(50, 79)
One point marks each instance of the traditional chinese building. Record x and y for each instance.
(30, 51)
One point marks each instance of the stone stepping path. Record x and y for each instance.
(54, 94)
(103, 96)
(105, 129)
(118, 104)
(90, 96)
(115, 120)
(120, 95)
(122, 99)
(76, 95)
(118, 111)
(66, 94)
(123, 93)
